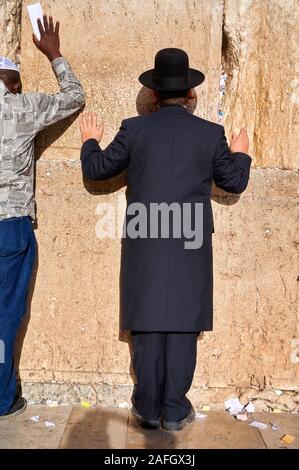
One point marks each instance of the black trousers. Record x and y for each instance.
(164, 365)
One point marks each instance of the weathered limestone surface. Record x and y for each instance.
(10, 28)
(73, 349)
(73, 334)
(261, 57)
(110, 43)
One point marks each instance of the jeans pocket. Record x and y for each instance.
(14, 236)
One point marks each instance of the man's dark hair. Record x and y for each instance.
(172, 97)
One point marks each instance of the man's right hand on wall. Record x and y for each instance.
(239, 143)
(91, 127)
(49, 43)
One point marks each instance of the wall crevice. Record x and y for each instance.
(10, 29)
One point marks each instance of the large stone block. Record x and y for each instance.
(260, 55)
(110, 43)
(73, 334)
(10, 28)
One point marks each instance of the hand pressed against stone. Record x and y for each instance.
(91, 127)
(49, 43)
(240, 143)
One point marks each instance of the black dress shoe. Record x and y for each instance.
(178, 425)
(18, 406)
(145, 423)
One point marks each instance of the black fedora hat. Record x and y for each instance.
(171, 72)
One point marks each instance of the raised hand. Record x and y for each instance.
(49, 43)
(239, 143)
(91, 127)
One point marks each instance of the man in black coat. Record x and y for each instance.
(172, 159)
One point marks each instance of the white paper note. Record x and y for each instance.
(242, 417)
(233, 405)
(125, 404)
(250, 408)
(50, 424)
(35, 419)
(35, 11)
(274, 426)
(51, 403)
(257, 424)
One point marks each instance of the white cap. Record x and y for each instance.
(7, 64)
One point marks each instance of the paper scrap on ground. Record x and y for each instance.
(35, 11)
(35, 419)
(200, 415)
(257, 424)
(85, 404)
(287, 438)
(242, 416)
(124, 405)
(274, 426)
(50, 424)
(278, 392)
(276, 410)
(234, 406)
(51, 403)
(250, 408)
(205, 408)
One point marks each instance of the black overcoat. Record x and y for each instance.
(172, 156)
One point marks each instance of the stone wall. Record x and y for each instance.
(260, 55)
(10, 28)
(73, 349)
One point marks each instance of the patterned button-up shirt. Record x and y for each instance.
(22, 116)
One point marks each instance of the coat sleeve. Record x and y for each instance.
(231, 170)
(49, 109)
(98, 164)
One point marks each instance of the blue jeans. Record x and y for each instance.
(17, 254)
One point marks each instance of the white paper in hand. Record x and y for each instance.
(35, 11)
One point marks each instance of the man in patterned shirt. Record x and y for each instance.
(22, 116)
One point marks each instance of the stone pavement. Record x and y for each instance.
(113, 428)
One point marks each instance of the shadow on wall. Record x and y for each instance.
(48, 137)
